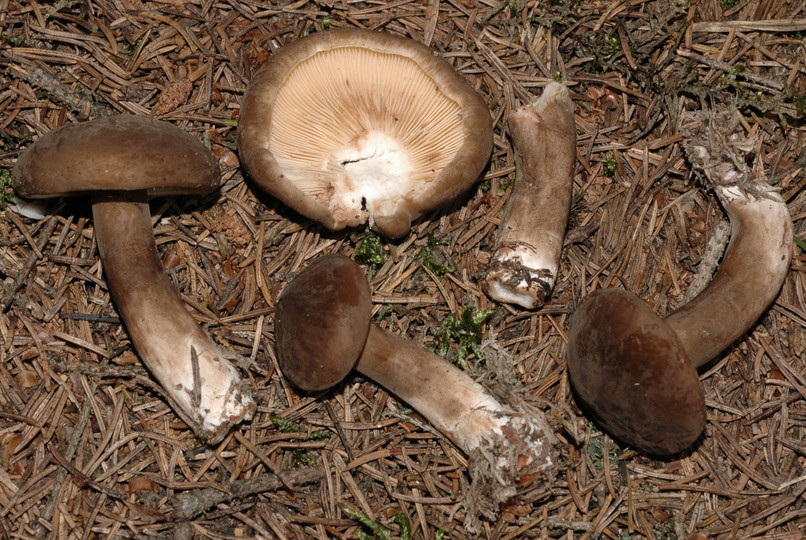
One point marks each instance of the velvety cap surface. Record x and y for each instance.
(119, 153)
(322, 322)
(631, 372)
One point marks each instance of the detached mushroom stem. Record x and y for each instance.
(326, 309)
(527, 250)
(637, 373)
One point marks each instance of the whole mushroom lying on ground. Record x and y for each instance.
(121, 162)
(353, 126)
(530, 237)
(323, 330)
(636, 372)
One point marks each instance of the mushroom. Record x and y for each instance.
(348, 126)
(636, 372)
(323, 330)
(122, 161)
(527, 249)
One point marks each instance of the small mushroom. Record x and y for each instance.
(323, 330)
(636, 372)
(122, 161)
(349, 126)
(527, 250)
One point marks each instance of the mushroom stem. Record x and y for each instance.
(530, 238)
(452, 402)
(748, 279)
(511, 453)
(204, 387)
(756, 261)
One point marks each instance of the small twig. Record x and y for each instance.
(189, 504)
(339, 431)
(195, 397)
(72, 447)
(771, 25)
(77, 102)
(81, 479)
(91, 317)
(709, 261)
(729, 68)
(99, 370)
(30, 262)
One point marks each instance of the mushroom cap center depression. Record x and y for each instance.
(358, 130)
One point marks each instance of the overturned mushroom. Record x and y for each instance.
(349, 126)
(323, 329)
(530, 237)
(637, 372)
(122, 161)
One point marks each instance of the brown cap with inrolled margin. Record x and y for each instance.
(349, 126)
(322, 322)
(631, 371)
(118, 153)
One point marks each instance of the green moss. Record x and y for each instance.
(610, 165)
(6, 188)
(427, 256)
(370, 251)
(612, 46)
(301, 457)
(506, 185)
(373, 530)
(284, 425)
(596, 452)
(465, 330)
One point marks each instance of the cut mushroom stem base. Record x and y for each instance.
(203, 386)
(530, 237)
(512, 455)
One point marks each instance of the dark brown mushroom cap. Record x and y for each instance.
(322, 322)
(629, 368)
(333, 100)
(117, 153)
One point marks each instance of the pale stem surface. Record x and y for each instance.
(532, 229)
(452, 402)
(205, 388)
(748, 279)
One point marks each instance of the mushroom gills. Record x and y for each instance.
(377, 138)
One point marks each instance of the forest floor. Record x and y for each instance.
(89, 447)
